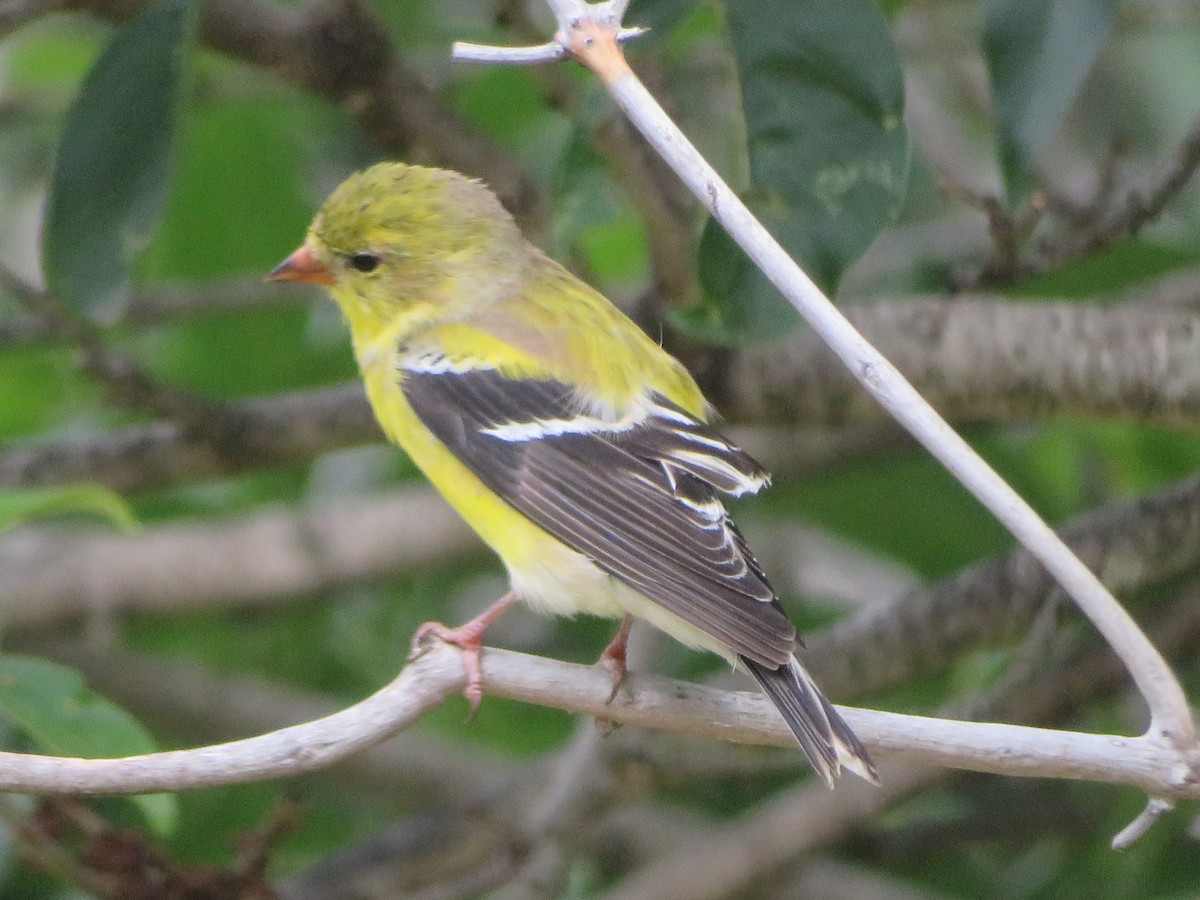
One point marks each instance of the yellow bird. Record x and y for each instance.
(575, 446)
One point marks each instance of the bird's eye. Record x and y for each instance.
(365, 262)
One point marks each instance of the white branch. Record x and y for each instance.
(524, 56)
(518, 56)
(649, 701)
(588, 31)
(1156, 807)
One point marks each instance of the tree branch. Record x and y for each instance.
(1110, 221)
(636, 835)
(1133, 544)
(983, 359)
(277, 554)
(268, 557)
(203, 705)
(264, 431)
(649, 701)
(725, 860)
(591, 33)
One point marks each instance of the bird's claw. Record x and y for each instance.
(469, 640)
(615, 665)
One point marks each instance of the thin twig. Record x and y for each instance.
(152, 306)
(1139, 209)
(1089, 230)
(1155, 809)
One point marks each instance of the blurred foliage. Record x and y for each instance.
(1038, 54)
(823, 103)
(113, 164)
(18, 507)
(225, 163)
(62, 717)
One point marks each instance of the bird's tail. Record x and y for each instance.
(824, 737)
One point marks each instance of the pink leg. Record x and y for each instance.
(469, 638)
(613, 657)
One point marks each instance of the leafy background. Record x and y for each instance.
(171, 177)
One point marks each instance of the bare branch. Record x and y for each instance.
(1155, 809)
(520, 56)
(982, 360)
(974, 359)
(203, 705)
(268, 557)
(708, 863)
(267, 431)
(590, 33)
(652, 702)
(639, 835)
(1085, 234)
(1133, 544)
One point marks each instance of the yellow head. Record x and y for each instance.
(407, 241)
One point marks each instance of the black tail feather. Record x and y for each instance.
(824, 737)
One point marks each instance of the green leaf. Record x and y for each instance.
(1038, 53)
(20, 506)
(62, 716)
(823, 100)
(112, 169)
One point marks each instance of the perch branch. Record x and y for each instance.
(1148, 761)
(589, 32)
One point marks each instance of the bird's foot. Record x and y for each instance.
(614, 657)
(468, 637)
(614, 660)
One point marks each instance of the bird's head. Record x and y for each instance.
(395, 240)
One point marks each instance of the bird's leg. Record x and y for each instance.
(468, 637)
(613, 657)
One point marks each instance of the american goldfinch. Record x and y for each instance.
(575, 446)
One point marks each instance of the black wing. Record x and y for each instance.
(638, 496)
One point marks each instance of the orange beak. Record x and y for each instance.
(301, 266)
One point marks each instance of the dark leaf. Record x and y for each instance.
(64, 717)
(1038, 53)
(113, 165)
(823, 100)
